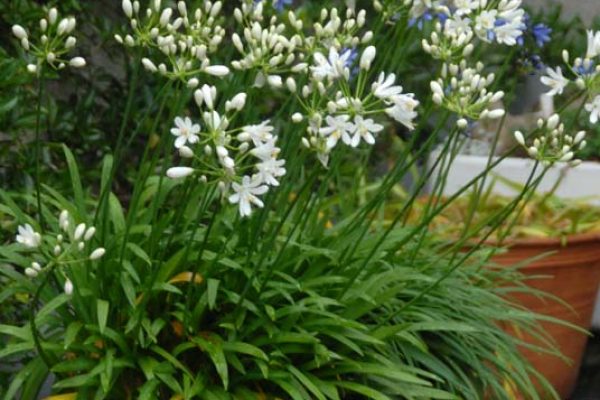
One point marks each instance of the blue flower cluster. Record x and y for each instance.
(539, 32)
(278, 5)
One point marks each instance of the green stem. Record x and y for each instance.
(37, 156)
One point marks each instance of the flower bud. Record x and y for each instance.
(77, 62)
(79, 231)
(275, 81)
(98, 253)
(238, 101)
(367, 57)
(70, 42)
(89, 233)
(30, 272)
(462, 123)
(186, 152)
(127, 8)
(68, 287)
(217, 70)
(52, 16)
(19, 32)
(149, 65)
(179, 172)
(519, 138)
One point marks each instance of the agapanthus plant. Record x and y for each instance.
(242, 254)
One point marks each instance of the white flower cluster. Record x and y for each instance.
(586, 72)
(184, 43)
(335, 112)
(463, 90)
(244, 158)
(501, 21)
(53, 44)
(266, 48)
(551, 144)
(67, 247)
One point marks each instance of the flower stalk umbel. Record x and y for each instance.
(66, 248)
(243, 158)
(52, 44)
(177, 47)
(551, 143)
(584, 72)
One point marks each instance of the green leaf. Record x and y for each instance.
(245, 348)
(306, 382)
(71, 333)
(139, 252)
(75, 180)
(212, 289)
(148, 390)
(116, 214)
(102, 307)
(23, 333)
(361, 389)
(213, 346)
(107, 165)
(50, 307)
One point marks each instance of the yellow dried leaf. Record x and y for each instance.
(186, 277)
(65, 396)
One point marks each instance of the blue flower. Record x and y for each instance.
(541, 33)
(583, 71)
(352, 54)
(279, 5)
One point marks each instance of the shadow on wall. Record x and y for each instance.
(586, 9)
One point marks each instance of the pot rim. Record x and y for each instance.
(577, 238)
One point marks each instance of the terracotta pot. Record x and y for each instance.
(571, 273)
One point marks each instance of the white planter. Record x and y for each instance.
(582, 182)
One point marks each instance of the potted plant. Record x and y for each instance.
(555, 244)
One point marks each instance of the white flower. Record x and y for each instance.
(365, 128)
(257, 133)
(555, 80)
(464, 7)
(266, 151)
(594, 109)
(456, 26)
(269, 170)
(485, 22)
(245, 194)
(593, 44)
(332, 67)
(384, 88)
(403, 109)
(28, 237)
(509, 32)
(186, 132)
(337, 128)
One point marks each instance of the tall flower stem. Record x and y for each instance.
(37, 148)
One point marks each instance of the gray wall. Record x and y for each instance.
(587, 9)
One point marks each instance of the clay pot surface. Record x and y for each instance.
(571, 273)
